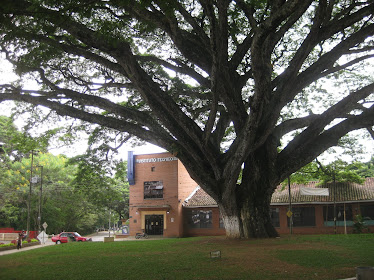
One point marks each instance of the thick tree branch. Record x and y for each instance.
(149, 135)
(345, 106)
(293, 124)
(319, 35)
(189, 44)
(182, 68)
(290, 160)
(322, 67)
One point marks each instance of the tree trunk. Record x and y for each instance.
(231, 221)
(255, 217)
(246, 208)
(249, 217)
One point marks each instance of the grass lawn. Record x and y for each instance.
(295, 257)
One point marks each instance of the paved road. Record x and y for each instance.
(99, 237)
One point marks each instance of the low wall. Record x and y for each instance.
(8, 236)
(33, 233)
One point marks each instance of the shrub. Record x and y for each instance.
(14, 242)
(359, 224)
(6, 245)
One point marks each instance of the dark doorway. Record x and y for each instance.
(154, 224)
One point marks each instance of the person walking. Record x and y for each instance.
(19, 241)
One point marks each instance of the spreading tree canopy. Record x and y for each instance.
(220, 84)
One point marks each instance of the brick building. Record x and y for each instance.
(159, 184)
(164, 200)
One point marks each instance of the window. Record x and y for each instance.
(153, 189)
(274, 216)
(328, 214)
(221, 224)
(303, 217)
(367, 213)
(200, 219)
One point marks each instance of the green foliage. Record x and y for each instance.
(339, 171)
(76, 193)
(105, 190)
(359, 224)
(18, 144)
(7, 245)
(65, 206)
(364, 169)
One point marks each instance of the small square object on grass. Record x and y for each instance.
(215, 254)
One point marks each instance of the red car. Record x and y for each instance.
(65, 237)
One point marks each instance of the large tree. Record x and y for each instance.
(217, 83)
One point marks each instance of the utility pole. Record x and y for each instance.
(29, 199)
(334, 180)
(289, 214)
(110, 213)
(40, 199)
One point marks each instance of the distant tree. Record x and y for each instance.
(16, 144)
(64, 204)
(338, 170)
(364, 169)
(103, 182)
(15, 188)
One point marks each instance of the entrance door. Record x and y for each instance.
(154, 224)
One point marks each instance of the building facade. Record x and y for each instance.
(159, 183)
(165, 201)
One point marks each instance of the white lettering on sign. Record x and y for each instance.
(147, 160)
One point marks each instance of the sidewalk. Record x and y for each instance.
(96, 237)
(6, 252)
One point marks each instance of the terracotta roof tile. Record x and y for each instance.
(345, 192)
(199, 198)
